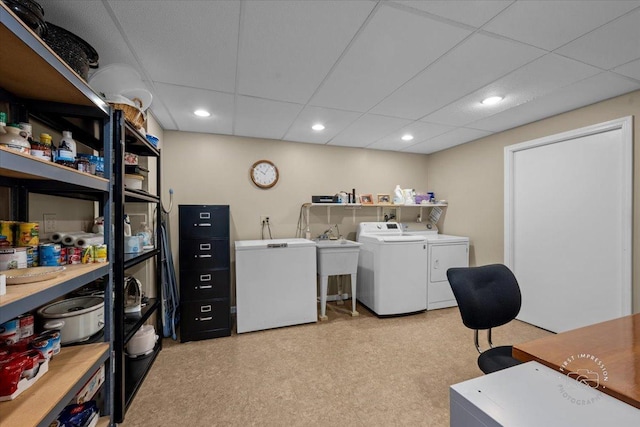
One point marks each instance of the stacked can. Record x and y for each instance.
(50, 254)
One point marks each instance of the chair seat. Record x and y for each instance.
(496, 359)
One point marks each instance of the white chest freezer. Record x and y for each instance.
(275, 283)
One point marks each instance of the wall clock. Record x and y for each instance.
(264, 174)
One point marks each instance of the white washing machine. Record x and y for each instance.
(388, 281)
(275, 283)
(444, 252)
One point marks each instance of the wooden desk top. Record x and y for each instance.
(609, 349)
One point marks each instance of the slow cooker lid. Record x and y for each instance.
(72, 307)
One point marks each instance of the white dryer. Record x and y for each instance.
(388, 281)
(444, 252)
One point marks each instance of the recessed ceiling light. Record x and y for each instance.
(407, 137)
(492, 100)
(318, 126)
(202, 113)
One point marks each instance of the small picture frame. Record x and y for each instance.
(384, 199)
(366, 199)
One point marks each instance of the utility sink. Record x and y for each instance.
(337, 256)
(334, 258)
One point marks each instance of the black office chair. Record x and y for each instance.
(487, 296)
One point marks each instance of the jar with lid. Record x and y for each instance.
(42, 149)
(83, 165)
(4, 243)
(15, 139)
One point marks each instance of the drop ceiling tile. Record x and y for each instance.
(588, 91)
(263, 118)
(475, 13)
(162, 115)
(450, 139)
(185, 43)
(551, 24)
(367, 129)
(182, 101)
(421, 131)
(549, 73)
(632, 69)
(474, 63)
(378, 63)
(89, 21)
(287, 48)
(333, 120)
(604, 47)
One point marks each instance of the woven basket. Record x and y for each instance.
(134, 115)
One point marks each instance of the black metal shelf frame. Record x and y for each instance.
(131, 324)
(131, 372)
(137, 370)
(23, 175)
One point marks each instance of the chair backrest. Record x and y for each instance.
(487, 296)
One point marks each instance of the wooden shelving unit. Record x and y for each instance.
(68, 371)
(36, 84)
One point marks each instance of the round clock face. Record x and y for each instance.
(264, 174)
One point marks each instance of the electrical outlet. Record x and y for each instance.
(264, 219)
(49, 220)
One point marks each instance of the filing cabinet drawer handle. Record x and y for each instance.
(205, 277)
(202, 224)
(205, 319)
(202, 256)
(205, 215)
(205, 308)
(205, 246)
(204, 287)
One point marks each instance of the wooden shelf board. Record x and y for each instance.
(65, 371)
(27, 74)
(17, 292)
(23, 175)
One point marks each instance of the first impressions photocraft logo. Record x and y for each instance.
(583, 374)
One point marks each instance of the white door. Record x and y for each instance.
(568, 223)
(441, 258)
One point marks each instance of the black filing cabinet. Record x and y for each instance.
(205, 283)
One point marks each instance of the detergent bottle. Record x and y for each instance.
(398, 197)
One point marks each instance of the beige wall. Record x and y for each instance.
(214, 169)
(471, 178)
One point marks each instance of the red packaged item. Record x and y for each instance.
(11, 373)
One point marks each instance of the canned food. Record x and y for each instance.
(100, 253)
(35, 255)
(26, 322)
(63, 255)
(87, 255)
(50, 254)
(11, 258)
(10, 332)
(31, 261)
(28, 234)
(74, 255)
(7, 228)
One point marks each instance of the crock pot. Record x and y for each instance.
(76, 318)
(142, 342)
